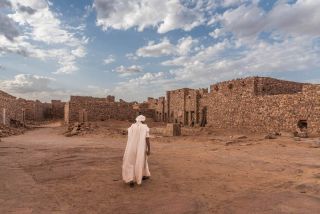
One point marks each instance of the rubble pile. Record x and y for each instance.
(80, 129)
(6, 131)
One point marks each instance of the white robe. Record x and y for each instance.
(135, 164)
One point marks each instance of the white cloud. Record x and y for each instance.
(42, 35)
(248, 20)
(216, 33)
(110, 59)
(230, 59)
(26, 83)
(163, 15)
(132, 56)
(126, 71)
(154, 84)
(164, 48)
(184, 46)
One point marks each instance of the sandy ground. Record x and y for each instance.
(43, 171)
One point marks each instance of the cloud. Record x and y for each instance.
(155, 84)
(132, 56)
(27, 83)
(8, 27)
(110, 59)
(42, 35)
(129, 70)
(162, 15)
(249, 20)
(166, 48)
(4, 3)
(26, 9)
(232, 58)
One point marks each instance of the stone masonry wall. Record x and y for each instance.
(265, 113)
(98, 109)
(22, 110)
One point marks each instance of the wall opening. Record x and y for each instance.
(203, 117)
(192, 118)
(302, 125)
(186, 118)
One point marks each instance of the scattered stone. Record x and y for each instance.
(242, 137)
(315, 145)
(6, 131)
(270, 136)
(231, 142)
(301, 134)
(79, 129)
(297, 138)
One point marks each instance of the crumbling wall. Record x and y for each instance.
(266, 113)
(13, 110)
(10, 109)
(242, 87)
(159, 109)
(271, 86)
(98, 109)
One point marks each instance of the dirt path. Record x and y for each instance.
(45, 172)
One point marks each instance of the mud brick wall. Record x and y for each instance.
(98, 109)
(57, 109)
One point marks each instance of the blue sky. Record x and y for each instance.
(138, 48)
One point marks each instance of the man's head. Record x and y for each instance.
(140, 118)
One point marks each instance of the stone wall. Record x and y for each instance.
(280, 111)
(98, 109)
(57, 109)
(256, 104)
(22, 110)
(10, 109)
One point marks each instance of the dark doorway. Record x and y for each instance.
(186, 118)
(192, 118)
(203, 117)
(302, 125)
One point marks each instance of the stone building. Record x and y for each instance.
(256, 104)
(85, 108)
(13, 110)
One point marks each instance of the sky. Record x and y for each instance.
(134, 49)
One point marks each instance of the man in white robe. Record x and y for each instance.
(135, 165)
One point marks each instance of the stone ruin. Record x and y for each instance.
(88, 109)
(254, 104)
(19, 112)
